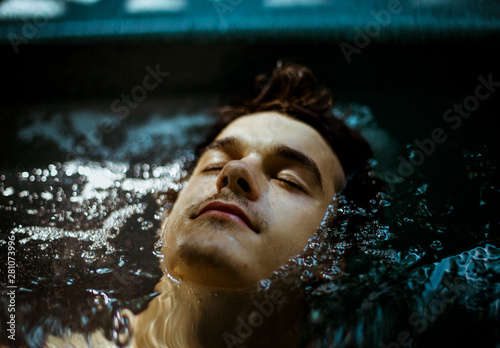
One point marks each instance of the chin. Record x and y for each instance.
(211, 263)
(211, 252)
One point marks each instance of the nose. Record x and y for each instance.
(239, 178)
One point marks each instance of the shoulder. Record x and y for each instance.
(77, 340)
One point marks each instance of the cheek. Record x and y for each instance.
(176, 216)
(195, 192)
(199, 188)
(296, 221)
(303, 212)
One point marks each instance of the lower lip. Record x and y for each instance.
(226, 216)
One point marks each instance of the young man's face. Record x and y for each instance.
(256, 196)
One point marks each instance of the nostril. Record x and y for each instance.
(243, 184)
(225, 181)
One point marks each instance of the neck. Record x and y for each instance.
(189, 315)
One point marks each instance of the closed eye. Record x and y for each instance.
(290, 184)
(213, 168)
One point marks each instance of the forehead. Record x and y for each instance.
(271, 127)
(265, 129)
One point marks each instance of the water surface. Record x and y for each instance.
(83, 202)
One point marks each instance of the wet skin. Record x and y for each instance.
(256, 196)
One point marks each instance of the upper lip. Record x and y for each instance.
(228, 208)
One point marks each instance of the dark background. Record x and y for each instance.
(425, 59)
(408, 86)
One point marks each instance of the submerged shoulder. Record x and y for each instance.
(96, 339)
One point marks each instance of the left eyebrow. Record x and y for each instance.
(301, 159)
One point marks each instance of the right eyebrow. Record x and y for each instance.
(223, 144)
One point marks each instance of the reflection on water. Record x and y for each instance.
(293, 3)
(41, 10)
(408, 266)
(135, 6)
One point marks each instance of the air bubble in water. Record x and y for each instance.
(146, 225)
(436, 245)
(8, 191)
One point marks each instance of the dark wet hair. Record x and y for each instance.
(292, 89)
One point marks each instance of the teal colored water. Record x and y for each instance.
(417, 264)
